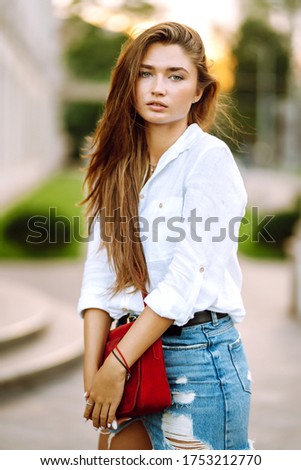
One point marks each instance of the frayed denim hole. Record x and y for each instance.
(178, 432)
(182, 399)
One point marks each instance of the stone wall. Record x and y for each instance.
(31, 143)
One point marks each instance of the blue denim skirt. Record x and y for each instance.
(211, 388)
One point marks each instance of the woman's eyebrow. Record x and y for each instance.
(169, 69)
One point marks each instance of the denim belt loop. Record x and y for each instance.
(214, 318)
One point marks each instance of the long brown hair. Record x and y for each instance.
(118, 159)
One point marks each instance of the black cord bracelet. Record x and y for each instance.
(128, 375)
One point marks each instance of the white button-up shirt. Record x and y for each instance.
(189, 215)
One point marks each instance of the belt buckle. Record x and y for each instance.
(131, 317)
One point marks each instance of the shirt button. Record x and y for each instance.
(141, 196)
(161, 204)
(202, 269)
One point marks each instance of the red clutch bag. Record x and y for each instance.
(147, 390)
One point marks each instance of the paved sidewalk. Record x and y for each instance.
(272, 338)
(48, 415)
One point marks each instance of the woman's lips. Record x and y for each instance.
(156, 105)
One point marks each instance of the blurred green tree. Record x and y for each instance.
(263, 61)
(90, 51)
(267, 6)
(80, 120)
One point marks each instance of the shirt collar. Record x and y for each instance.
(181, 144)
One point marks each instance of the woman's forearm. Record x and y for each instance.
(145, 331)
(97, 325)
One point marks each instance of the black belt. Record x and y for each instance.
(203, 316)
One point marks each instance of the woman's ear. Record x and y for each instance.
(198, 96)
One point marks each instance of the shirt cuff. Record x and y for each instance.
(90, 301)
(169, 303)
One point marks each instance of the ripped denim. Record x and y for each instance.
(211, 388)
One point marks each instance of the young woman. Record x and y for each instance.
(165, 199)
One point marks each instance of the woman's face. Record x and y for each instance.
(167, 85)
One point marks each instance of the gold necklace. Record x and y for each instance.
(152, 168)
(149, 172)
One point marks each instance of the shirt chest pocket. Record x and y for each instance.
(167, 207)
(164, 216)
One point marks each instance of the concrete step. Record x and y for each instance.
(23, 313)
(46, 336)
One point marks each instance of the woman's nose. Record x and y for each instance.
(159, 87)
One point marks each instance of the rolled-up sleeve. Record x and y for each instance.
(98, 278)
(214, 203)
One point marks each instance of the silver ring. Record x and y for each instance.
(89, 404)
(104, 431)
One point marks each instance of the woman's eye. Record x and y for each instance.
(176, 78)
(144, 74)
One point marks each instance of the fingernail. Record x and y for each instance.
(85, 395)
(96, 429)
(85, 420)
(102, 428)
(114, 424)
(109, 425)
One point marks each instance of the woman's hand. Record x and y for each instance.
(106, 393)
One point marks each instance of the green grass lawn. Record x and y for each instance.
(48, 222)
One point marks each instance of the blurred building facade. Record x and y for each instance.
(31, 143)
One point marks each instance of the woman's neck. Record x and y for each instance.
(160, 138)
